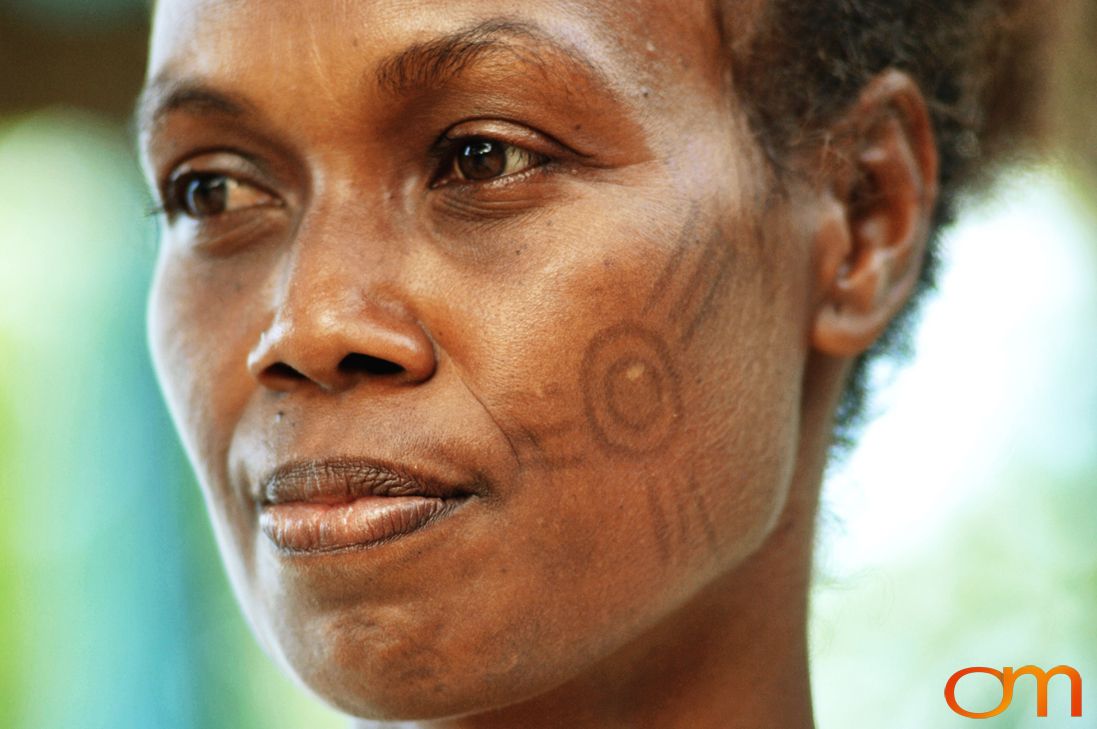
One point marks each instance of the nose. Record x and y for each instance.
(333, 335)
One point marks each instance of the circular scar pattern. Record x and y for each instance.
(631, 392)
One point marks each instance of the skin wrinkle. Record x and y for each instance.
(316, 41)
(608, 347)
(490, 414)
(433, 63)
(536, 454)
(495, 43)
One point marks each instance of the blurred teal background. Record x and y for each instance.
(962, 532)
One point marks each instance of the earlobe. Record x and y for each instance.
(872, 232)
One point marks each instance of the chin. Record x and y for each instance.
(414, 691)
(367, 671)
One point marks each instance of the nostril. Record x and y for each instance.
(280, 372)
(365, 364)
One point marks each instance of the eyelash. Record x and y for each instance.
(447, 154)
(175, 193)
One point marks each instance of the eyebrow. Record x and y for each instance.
(164, 96)
(435, 62)
(428, 64)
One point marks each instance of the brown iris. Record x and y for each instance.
(204, 195)
(481, 159)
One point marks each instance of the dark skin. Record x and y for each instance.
(606, 321)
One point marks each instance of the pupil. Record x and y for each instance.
(482, 159)
(207, 195)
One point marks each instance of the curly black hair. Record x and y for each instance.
(801, 63)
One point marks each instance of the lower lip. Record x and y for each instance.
(369, 521)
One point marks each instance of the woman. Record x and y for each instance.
(507, 339)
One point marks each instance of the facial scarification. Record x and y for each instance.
(629, 379)
(630, 384)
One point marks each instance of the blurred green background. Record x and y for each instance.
(963, 531)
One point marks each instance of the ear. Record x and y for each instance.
(874, 224)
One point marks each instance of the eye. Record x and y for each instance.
(202, 195)
(480, 159)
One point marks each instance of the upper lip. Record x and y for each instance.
(341, 480)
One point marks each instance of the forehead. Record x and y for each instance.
(635, 45)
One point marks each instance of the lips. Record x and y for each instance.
(347, 503)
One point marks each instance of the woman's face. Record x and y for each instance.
(485, 353)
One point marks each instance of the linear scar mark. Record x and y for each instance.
(675, 536)
(697, 289)
(660, 528)
(709, 278)
(662, 284)
(700, 506)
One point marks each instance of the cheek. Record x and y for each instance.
(204, 316)
(178, 355)
(675, 390)
(199, 337)
(189, 358)
(652, 406)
